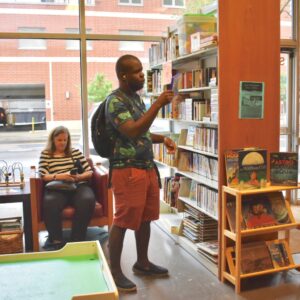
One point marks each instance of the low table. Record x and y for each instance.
(14, 194)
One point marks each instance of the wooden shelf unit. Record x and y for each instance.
(248, 50)
(232, 271)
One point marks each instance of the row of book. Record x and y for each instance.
(261, 256)
(195, 78)
(214, 105)
(204, 197)
(259, 210)
(206, 167)
(154, 82)
(200, 137)
(198, 227)
(167, 49)
(191, 109)
(247, 168)
(161, 154)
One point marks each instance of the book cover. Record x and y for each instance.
(252, 168)
(255, 257)
(257, 211)
(284, 168)
(211, 247)
(232, 167)
(279, 208)
(276, 254)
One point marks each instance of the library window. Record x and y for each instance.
(74, 44)
(287, 19)
(131, 45)
(174, 3)
(32, 44)
(131, 2)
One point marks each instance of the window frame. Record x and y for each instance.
(134, 44)
(173, 5)
(130, 3)
(24, 43)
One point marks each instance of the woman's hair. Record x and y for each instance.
(50, 148)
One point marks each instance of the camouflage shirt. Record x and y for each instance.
(128, 152)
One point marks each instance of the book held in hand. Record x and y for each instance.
(284, 168)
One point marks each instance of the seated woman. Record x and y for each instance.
(56, 162)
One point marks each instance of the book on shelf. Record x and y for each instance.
(279, 208)
(193, 191)
(182, 137)
(255, 257)
(284, 168)
(278, 253)
(185, 186)
(210, 247)
(184, 161)
(260, 256)
(190, 138)
(231, 213)
(257, 211)
(252, 168)
(232, 167)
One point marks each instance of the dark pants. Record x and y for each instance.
(82, 199)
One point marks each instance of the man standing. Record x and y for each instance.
(135, 179)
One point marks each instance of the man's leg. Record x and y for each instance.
(142, 237)
(143, 266)
(115, 246)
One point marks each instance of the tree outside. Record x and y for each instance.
(99, 88)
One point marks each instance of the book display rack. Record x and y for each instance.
(247, 250)
(205, 120)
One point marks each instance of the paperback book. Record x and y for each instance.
(252, 168)
(284, 168)
(255, 257)
(257, 212)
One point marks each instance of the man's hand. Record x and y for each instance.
(165, 98)
(170, 145)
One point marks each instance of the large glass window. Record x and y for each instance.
(75, 45)
(38, 44)
(286, 19)
(37, 93)
(53, 18)
(131, 45)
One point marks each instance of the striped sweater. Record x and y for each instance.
(58, 165)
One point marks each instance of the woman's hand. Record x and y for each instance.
(65, 177)
(170, 145)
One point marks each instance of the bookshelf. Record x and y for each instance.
(248, 50)
(232, 242)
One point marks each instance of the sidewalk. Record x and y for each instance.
(32, 137)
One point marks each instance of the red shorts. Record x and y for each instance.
(136, 194)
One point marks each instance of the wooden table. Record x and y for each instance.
(15, 194)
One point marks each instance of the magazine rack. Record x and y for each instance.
(231, 253)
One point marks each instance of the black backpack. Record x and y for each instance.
(103, 142)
